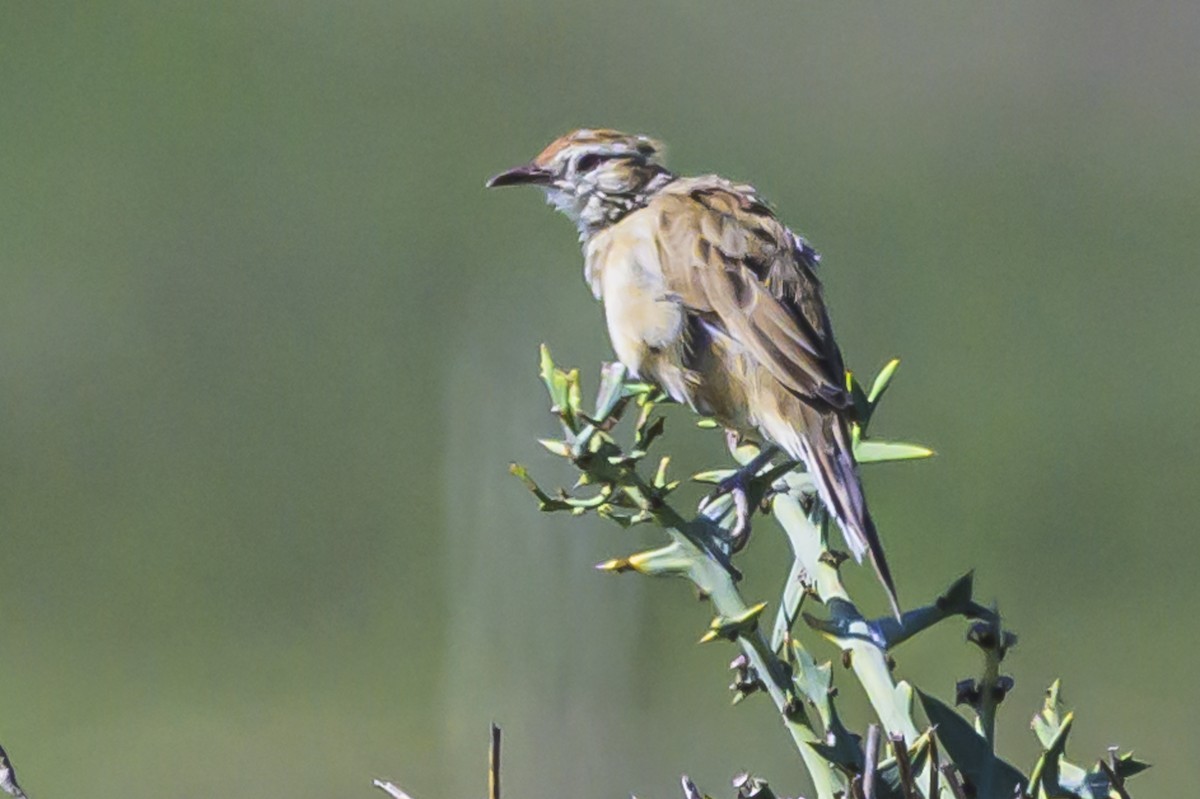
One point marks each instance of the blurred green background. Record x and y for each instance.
(267, 346)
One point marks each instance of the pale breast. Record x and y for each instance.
(622, 267)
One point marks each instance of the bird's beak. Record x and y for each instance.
(525, 175)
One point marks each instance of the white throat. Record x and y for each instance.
(592, 209)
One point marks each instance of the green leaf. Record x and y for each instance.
(712, 476)
(992, 777)
(844, 752)
(813, 679)
(611, 391)
(622, 520)
(574, 393)
(545, 501)
(555, 446)
(587, 503)
(862, 406)
(1054, 770)
(865, 403)
(732, 627)
(1045, 774)
(558, 386)
(794, 591)
(644, 392)
(545, 363)
(648, 431)
(1128, 765)
(845, 623)
(664, 561)
(954, 601)
(549, 372)
(873, 451)
(815, 683)
(882, 381)
(1047, 721)
(889, 783)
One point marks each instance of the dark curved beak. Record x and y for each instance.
(525, 175)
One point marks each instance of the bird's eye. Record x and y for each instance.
(590, 161)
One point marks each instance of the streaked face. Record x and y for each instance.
(592, 176)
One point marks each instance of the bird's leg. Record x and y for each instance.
(737, 486)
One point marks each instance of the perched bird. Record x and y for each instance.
(712, 298)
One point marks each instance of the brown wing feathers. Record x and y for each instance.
(750, 277)
(746, 272)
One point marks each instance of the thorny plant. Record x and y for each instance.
(948, 756)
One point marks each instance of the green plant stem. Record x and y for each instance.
(714, 580)
(988, 687)
(891, 701)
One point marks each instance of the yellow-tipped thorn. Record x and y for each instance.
(731, 628)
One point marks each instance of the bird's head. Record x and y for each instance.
(594, 176)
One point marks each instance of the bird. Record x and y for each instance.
(709, 296)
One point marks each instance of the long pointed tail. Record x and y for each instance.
(823, 443)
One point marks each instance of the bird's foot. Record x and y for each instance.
(738, 487)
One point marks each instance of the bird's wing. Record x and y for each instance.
(736, 266)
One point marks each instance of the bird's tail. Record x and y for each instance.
(822, 441)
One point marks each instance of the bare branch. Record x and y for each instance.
(494, 764)
(870, 759)
(390, 789)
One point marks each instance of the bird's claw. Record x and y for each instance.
(737, 486)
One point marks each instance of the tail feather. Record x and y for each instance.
(822, 441)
